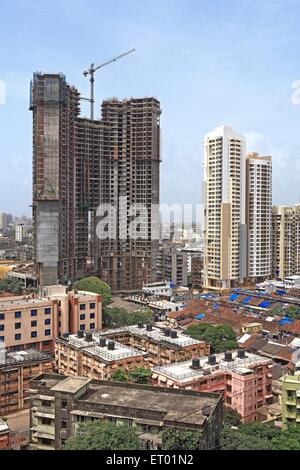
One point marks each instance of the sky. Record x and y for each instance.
(209, 62)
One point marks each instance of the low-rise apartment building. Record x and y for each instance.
(27, 321)
(59, 405)
(16, 371)
(291, 397)
(90, 355)
(244, 379)
(30, 321)
(163, 346)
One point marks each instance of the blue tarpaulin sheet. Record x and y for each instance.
(285, 320)
(281, 292)
(233, 297)
(200, 316)
(216, 306)
(247, 299)
(265, 304)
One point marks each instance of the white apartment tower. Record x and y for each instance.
(20, 232)
(286, 241)
(259, 216)
(225, 257)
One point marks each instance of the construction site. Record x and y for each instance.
(82, 166)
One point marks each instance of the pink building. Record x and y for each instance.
(245, 379)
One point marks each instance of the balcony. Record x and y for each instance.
(290, 401)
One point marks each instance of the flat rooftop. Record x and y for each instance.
(93, 347)
(157, 335)
(179, 406)
(182, 371)
(12, 302)
(71, 385)
(20, 357)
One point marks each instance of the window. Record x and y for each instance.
(1, 327)
(82, 317)
(47, 332)
(82, 327)
(92, 315)
(18, 314)
(48, 321)
(33, 313)
(47, 311)
(82, 306)
(18, 326)
(18, 337)
(64, 404)
(92, 326)
(34, 323)
(46, 343)
(64, 424)
(2, 338)
(46, 421)
(46, 403)
(33, 334)
(2, 316)
(46, 442)
(93, 305)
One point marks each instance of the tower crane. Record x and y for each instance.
(91, 71)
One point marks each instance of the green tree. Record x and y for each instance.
(258, 436)
(119, 376)
(103, 435)
(181, 440)
(232, 439)
(94, 284)
(115, 317)
(292, 312)
(11, 285)
(287, 439)
(221, 337)
(231, 417)
(139, 375)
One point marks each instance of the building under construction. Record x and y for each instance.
(130, 172)
(82, 166)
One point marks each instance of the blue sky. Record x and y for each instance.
(210, 62)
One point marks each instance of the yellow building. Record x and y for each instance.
(291, 397)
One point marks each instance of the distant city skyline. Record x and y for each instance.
(211, 63)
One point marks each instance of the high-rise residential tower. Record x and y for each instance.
(55, 107)
(126, 257)
(81, 170)
(259, 216)
(285, 241)
(224, 209)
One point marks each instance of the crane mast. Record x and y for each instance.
(91, 71)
